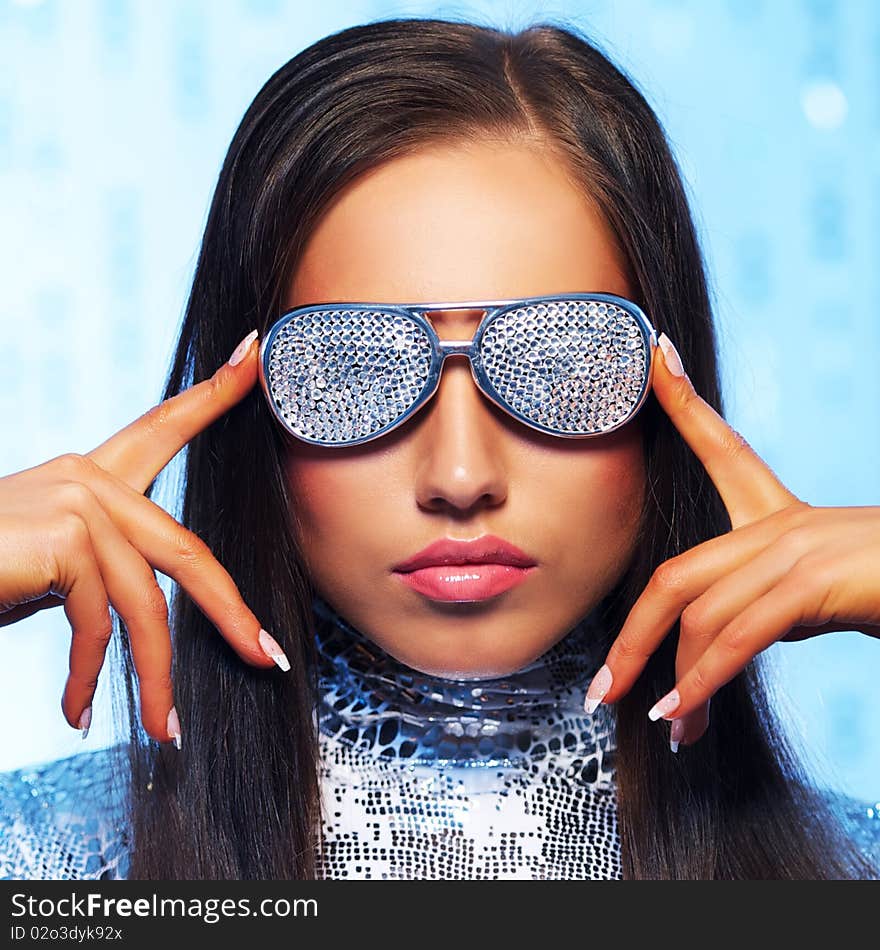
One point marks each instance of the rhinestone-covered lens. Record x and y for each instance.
(343, 375)
(571, 366)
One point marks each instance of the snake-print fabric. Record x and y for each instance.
(431, 778)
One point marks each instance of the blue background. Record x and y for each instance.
(114, 119)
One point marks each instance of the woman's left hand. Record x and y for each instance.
(786, 571)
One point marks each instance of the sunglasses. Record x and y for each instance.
(571, 365)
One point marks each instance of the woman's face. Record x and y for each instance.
(464, 222)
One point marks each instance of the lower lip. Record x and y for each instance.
(465, 582)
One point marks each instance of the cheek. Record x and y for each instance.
(323, 496)
(597, 510)
(338, 503)
(620, 481)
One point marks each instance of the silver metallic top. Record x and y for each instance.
(431, 778)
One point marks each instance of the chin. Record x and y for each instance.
(454, 666)
(451, 648)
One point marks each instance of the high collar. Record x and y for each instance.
(375, 704)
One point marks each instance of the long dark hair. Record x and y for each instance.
(241, 799)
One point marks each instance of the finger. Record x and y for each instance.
(692, 726)
(748, 487)
(792, 601)
(180, 554)
(88, 611)
(677, 583)
(132, 589)
(137, 453)
(705, 617)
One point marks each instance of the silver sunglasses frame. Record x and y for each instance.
(441, 349)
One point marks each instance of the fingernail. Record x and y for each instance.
(599, 686)
(174, 727)
(664, 706)
(272, 649)
(85, 720)
(670, 355)
(239, 353)
(676, 734)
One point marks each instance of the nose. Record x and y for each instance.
(460, 443)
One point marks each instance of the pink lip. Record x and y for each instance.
(465, 581)
(453, 570)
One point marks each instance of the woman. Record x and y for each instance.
(429, 721)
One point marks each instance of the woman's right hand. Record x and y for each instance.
(78, 531)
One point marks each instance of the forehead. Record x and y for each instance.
(459, 222)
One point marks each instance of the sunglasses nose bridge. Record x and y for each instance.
(466, 348)
(450, 347)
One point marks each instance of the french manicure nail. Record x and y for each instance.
(676, 733)
(174, 727)
(670, 355)
(272, 649)
(599, 686)
(85, 720)
(664, 706)
(238, 354)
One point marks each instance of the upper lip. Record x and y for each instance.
(488, 549)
